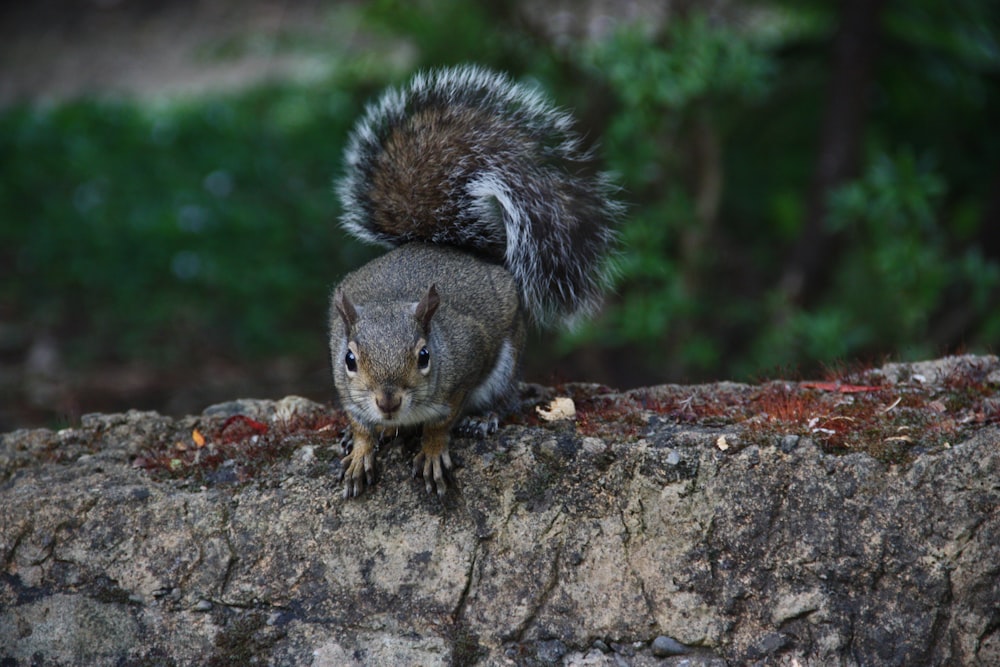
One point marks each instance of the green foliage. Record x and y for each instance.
(903, 268)
(445, 31)
(700, 289)
(696, 63)
(155, 230)
(140, 231)
(680, 96)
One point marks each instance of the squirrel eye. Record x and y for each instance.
(423, 358)
(351, 362)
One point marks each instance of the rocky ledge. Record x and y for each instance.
(853, 521)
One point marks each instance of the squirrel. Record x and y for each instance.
(480, 185)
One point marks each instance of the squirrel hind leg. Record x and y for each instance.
(477, 426)
(495, 393)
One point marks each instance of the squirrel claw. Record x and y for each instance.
(434, 469)
(346, 445)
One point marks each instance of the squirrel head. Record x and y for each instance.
(385, 372)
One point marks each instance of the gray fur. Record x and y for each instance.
(475, 337)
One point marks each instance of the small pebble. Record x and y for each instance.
(593, 445)
(664, 646)
(673, 458)
(771, 643)
(550, 651)
(202, 605)
(601, 646)
(623, 649)
(789, 442)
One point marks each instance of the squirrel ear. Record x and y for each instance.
(427, 307)
(347, 311)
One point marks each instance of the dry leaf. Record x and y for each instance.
(561, 407)
(198, 438)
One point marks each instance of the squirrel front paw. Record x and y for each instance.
(357, 468)
(434, 468)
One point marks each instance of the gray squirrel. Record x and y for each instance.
(483, 189)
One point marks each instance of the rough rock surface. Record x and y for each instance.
(138, 539)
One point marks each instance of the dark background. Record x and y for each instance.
(811, 186)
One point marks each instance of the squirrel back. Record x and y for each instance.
(466, 157)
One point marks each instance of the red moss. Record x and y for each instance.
(241, 427)
(601, 412)
(858, 412)
(249, 446)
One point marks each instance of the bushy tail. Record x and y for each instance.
(466, 157)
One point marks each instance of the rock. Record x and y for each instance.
(666, 646)
(122, 541)
(789, 442)
(550, 651)
(600, 646)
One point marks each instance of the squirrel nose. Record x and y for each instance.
(388, 401)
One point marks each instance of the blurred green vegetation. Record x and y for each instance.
(146, 233)
(170, 231)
